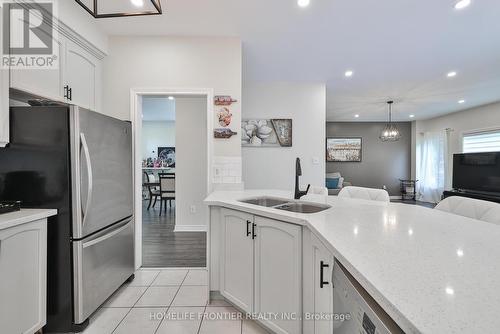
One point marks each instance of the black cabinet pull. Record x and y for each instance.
(253, 231)
(322, 266)
(248, 228)
(66, 91)
(70, 94)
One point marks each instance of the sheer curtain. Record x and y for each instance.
(432, 166)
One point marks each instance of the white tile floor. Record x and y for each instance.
(168, 301)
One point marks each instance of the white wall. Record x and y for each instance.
(305, 104)
(157, 134)
(191, 164)
(481, 118)
(174, 62)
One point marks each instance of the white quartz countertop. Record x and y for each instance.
(431, 271)
(24, 216)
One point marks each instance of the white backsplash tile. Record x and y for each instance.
(226, 170)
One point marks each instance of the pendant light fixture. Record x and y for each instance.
(120, 8)
(390, 131)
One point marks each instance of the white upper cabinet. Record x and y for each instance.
(76, 81)
(4, 98)
(46, 83)
(82, 76)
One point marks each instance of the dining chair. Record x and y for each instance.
(154, 192)
(471, 208)
(365, 193)
(167, 190)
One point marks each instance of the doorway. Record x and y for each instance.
(171, 146)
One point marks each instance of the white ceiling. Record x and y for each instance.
(398, 49)
(158, 108)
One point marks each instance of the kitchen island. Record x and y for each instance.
(431, 271)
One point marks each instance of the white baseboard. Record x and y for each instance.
(190, 228)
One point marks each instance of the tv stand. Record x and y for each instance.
(492, 197)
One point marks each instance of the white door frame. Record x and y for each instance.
(136, 119)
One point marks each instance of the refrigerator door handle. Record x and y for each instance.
(104, 237)
(86, 152)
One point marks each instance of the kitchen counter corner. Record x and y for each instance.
(24, 216)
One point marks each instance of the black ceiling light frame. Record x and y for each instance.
(97, 15)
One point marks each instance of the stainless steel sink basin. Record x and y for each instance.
(265, 201)
(302, 207)
(286, 204)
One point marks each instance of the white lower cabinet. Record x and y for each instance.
(237, 259)
(261, 269)
(278, 268)
(23, 267)
(318, 289)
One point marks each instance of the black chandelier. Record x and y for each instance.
(120, 8)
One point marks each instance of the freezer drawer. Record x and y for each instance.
(101, 264)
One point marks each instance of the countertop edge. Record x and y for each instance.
(24, 216)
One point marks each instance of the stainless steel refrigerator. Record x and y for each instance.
(79, 162)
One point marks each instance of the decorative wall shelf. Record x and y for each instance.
(224, 100)
(224, 133)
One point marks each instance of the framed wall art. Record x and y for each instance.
(266, 133)
(344, 149)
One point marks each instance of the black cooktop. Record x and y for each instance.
(6, 207)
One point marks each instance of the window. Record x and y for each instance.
(488, 141)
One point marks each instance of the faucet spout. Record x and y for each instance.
(298, 172)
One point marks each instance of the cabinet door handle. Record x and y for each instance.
(66, 91)
(248, 228)
(322, 266)
(70, 94)
(253, 231)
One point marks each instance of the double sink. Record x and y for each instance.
(286, 204)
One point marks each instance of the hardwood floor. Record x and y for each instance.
(162, 247)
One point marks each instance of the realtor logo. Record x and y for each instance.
(28, 34)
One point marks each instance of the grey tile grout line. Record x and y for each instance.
(119, 323)
(202, 318)
(147, 287)
(170, 305)
(167, 308)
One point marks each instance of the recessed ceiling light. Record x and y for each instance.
(450, 291)
(412, 116)
(356, 116)
(170, 97)
(461, 101)
(303, 3)
(461, 4)
(451, 74)
(348, 73)
(460, 252)
(137, 3)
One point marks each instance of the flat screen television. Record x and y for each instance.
(478, 172)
